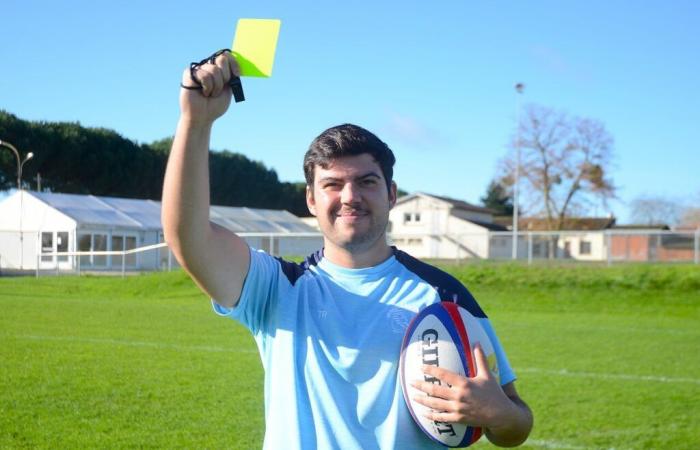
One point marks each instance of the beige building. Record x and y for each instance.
(431, 226)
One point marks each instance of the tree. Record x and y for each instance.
(498, 199)
(655, 210)
(565, 164)
(99, 161)
(690, 215)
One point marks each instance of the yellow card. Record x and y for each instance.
(254, 46)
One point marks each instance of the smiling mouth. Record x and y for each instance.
(352, 213)
(351, 216)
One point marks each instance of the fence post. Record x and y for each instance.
(170, 260)
(123, 264)
(529, 248)
(79, 259)
(608, 250)
(697, 246)
(38, 258)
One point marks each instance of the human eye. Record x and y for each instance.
(330, 185)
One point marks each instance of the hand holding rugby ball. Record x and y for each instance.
(442, 335)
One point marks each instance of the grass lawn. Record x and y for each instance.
(606, 358)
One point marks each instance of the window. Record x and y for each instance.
(62, 244)
(117, 246)
(84, 245)
(584, 248)
(130, 244)
(99, 244)
(411, 217)
(415, 242)
(47, 245)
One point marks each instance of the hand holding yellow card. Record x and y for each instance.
(254, 46)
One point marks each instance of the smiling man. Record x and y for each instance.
(328, 330)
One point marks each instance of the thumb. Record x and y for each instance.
(482, 364)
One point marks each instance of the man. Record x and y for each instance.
(329, 331)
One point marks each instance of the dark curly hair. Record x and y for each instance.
(348, 140)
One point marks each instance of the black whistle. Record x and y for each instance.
(237, 89)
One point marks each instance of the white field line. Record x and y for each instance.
(130, 343)
(205, 348)
(608, 376)
(555, 444)
(585, 328)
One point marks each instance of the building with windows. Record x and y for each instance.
(32, 223)
(580, 238)
(431, 226)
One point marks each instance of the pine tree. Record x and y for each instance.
(497, 199)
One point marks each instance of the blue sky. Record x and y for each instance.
(433, 79)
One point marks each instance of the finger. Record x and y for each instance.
(224, 63)
(445, 417)
(234, 67)
(222, 66)
(216, 77)
(482, 363)
(438, 404)
(435, 390)
(444, 375)
(206, 81)
(187, 78)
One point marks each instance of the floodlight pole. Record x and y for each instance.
(519, 90)
(20, 164)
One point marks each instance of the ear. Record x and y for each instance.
(310, 201)
(392, 194)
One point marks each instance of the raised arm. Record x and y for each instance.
(216, 258)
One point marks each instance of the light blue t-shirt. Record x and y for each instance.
(330, 338)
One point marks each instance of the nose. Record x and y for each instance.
(350, 194)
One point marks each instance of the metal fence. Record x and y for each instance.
(606, 247)
(158, 257)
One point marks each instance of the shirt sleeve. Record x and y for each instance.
(259, 294)
(505, 371)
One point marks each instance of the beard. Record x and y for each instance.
(359, 236)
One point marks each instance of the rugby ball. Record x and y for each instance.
(443, 334)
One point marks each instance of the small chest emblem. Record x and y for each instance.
(399, 319)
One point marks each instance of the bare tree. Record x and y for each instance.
(690, 216)
(655, 210)
(565, 164)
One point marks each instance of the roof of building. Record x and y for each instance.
(91, 210)
(570, 224)
(457, 204)
(488, 225)
(633, 226)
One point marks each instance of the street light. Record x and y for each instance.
(519, 88)
(29, 156)
(20, 164)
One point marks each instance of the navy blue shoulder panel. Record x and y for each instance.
(447, 286)
(294, 271)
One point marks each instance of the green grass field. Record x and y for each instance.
(606, 358)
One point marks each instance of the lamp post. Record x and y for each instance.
(20, 164)
(519, 88)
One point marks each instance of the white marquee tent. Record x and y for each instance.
(52, 223)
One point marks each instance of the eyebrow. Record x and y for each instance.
(359, 177)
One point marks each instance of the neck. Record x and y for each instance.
(356, 259)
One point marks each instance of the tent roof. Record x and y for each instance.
(91, 210)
